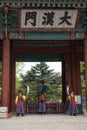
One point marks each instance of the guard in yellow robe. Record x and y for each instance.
(19, 101)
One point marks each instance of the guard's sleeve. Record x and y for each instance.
(68, 98)
(76, 99)
(16, 99)
(24, 97)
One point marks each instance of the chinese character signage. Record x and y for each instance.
(48, 18)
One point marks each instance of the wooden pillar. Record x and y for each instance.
(6, 74)
(73, 66)
(63, 81)
(12, 99)
(75, 69)
(69, 70)
(78, 76)
(85, 57)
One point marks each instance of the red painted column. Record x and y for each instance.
(64, 81)
(74, 70)
(85, 56)
(6, 74)
(73, 66)
(78, 76)
(12, 98)
(69, 70)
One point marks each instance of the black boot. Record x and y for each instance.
(17, 114)
(22, 114)
(74, 114)
(71, 114)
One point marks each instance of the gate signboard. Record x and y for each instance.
(55, 19)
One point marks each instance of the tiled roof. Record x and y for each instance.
(44, 3)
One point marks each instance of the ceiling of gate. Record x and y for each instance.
(35, 51)
(39, 50)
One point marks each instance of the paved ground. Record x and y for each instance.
(45, 122)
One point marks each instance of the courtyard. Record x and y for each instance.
(45, 122)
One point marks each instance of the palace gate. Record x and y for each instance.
(43, 30)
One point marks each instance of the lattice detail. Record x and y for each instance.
(83, 20)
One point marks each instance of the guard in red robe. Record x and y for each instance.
(72, 104)
(19, 101)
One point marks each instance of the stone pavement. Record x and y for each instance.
(45, 122)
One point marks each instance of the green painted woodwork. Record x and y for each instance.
(1, 18)
(1, 21)
(46, 36)
(79, 35)
(13, 25)
(39, 57)
(83, 20)
(13, 19)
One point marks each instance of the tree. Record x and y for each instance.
(0, 74)
(82, 70)
(19, 69)
(33, 79)
(0, 80)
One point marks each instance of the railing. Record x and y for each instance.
(33, 108)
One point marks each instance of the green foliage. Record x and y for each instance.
(82, 70)
(33, 79)
(0, 77)
(19, 69)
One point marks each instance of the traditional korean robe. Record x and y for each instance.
(42, 104)
(72, 105)
(19, 101)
